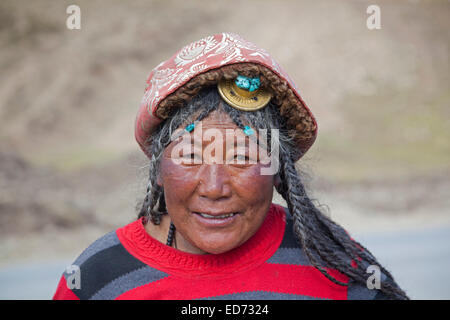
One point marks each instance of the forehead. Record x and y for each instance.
(217, 127)
(218, 119)
(218, 124)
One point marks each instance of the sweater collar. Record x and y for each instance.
(260, 247)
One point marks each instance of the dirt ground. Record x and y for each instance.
(71, 171)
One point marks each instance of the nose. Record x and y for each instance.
(214, 182)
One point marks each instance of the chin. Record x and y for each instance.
(218, 248)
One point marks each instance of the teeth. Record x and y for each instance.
(204, 215)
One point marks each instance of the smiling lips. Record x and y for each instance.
(216, 216)
(216, 219)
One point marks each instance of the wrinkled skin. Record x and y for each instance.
(214, 188)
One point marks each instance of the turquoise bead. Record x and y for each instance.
(254, 85)
(243, 82)
(190, 127)
(248, 131)
(249, 84)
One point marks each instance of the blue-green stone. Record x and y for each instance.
(248, 131)
(190, 127)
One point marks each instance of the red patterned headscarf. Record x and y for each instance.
(209, 53)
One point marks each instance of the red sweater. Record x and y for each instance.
(130, 264)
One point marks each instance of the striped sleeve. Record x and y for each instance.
(105, 271)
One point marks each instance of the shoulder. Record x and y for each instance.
(105, 243)
(290, 252)
(369, 290)
(105, 270)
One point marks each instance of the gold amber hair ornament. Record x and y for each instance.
(244, 93)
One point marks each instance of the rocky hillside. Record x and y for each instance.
(68, 98)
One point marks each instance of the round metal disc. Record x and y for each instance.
(242, 99)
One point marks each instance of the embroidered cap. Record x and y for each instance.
(231, 52)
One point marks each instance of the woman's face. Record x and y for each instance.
(215, 206)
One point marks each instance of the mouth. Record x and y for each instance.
(222, 219)
(217, 215)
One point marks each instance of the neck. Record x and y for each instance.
(160, 232)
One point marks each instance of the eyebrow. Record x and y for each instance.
(259, 142)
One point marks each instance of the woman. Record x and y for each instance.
(222, 124)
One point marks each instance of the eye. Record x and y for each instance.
(188, 156)
(243, 160)
(241, 157)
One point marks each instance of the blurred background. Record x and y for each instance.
(70, 169)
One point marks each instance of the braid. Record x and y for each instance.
(303, 227)
(323, 241)
(162, 202)
(154, 191)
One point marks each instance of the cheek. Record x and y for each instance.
(254, 186)
(179, 180)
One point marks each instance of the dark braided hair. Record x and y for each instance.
(326, 244)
